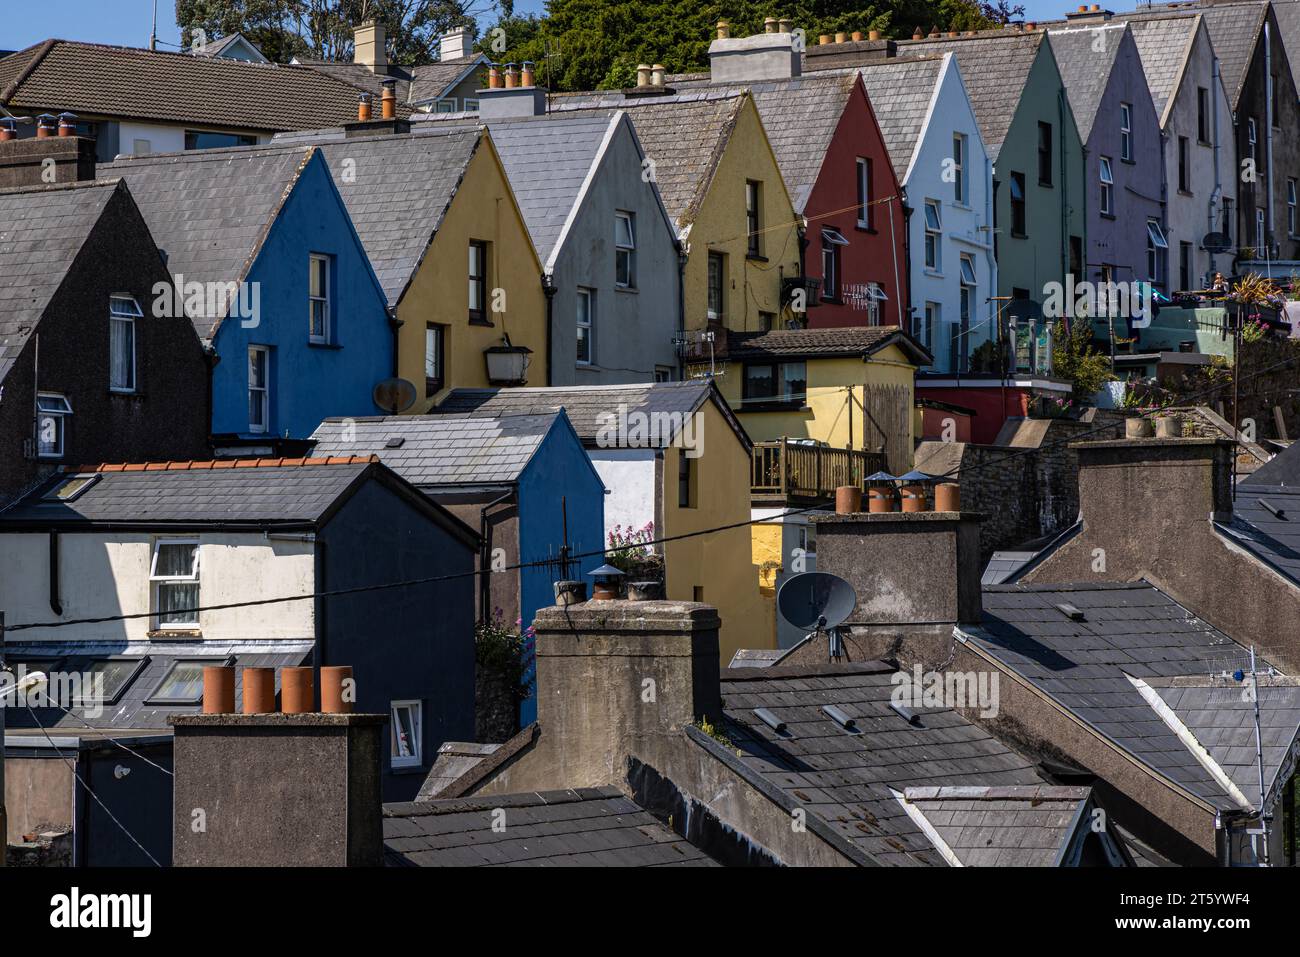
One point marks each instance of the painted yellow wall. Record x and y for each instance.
(752, 286)
(721, 563)
(826, 418)
(483, 209)
(768, 550)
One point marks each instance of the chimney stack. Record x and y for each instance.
(456, 45)
(22, 161)
(369, 47)
(770, 55)
(517, 96)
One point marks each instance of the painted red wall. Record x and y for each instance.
(935, 421)
(991, 410)
(869, 256)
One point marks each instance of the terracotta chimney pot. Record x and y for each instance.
(1031, 26)
(947, 497)
(643, 74)
(512, 76)
(296, 688)
(528, 74)
(8, 131)
(787, 25)
(336, 689)
(259, 691)
(770, 24)
(494, 77)
(825, 39)
(363, 107)
(841, 37)
(882, 500)
(657, 75)
(388, 101)
(44, 126)
(848, 500)
(724, 30)
(218, 689)
(856, 35)
(917, 34)
(67, 124)
(914, 498)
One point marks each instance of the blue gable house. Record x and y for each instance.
(517, 479)
(267, 265)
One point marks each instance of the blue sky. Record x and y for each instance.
(126, 22)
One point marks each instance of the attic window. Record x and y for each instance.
(183, 683)
(52, 411)
(71, 488)
(105, 680)
(1278, 513)
(1071, 612)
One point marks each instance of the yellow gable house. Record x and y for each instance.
(719, 179)
(440, 224)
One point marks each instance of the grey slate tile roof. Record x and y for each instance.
(900, 92)
(1164, 43)
(1129, 630)
(210, 210)
(800, 116)
(1001, 826)
(589, 407)
(413, 85)
(848, 780)
(1003, 565)
(197, 493)
(995, 68)
(430, 450)
(845, 341)
(97, 79)
(136, 708)
(1085, 71)
(1234, 32)
(1271, 538)
(42, 229)
(684, 134)
(1281, 469)
(1287, 13)
(588, 827)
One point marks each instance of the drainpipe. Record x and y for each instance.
(1216, 198)
(485, 558)
(548, 289)
(56, 605)
(994, 320)
(1268, 132)
(319, 649)
(907, 258)
(1065, 184)
(681, 305)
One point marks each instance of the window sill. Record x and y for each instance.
(1128, 162)
(1016, 235)
(480, 321)
(755, 258)
(409, 769)
(631, 289)
(176, 634)
(1185, 192)
(1046, 184)
(323, 345)
(865, 228)
(933, 273)
(125, 393)
(1106, 215)
(1205, 143)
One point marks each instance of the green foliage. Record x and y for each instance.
(504, 651)
(597, 44)
(1075, 359)
(714, 732)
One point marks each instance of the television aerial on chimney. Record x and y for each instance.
(394, 396)
(817, 602)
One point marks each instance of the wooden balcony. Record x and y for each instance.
(789, 472)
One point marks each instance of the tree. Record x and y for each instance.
(1075, 359)
(596, 44)
(322, 29)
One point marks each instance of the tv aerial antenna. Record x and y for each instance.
(818, 602)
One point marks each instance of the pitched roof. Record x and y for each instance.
(588, 827)
(429, 450)
(210, 210)
(1234, 31)
(397, 189)
(1266, 522)
(847, 779)
(1003, 566)
(591, 407)
(900, 92)
(1281, 469)
(281, 491)
(685, 135)
(42, 229)
(1165, 44)
(431, 81)
(811, 343)
(995, 67)
(1287, 13)
(1085, 70)
(98, 80)
(413, 85)
(1025, 826)
(1094, 665)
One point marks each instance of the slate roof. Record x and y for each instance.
(848, 780)
(93, 79)
(1001, 826)
(1086, 71)
(684, 134)
(1234, 32)
(1272, 538)
(589, 407)
(1085, 666)
(588, 827)
(995, 68)
(846, 341)
(210, 210)
(900, 92)
(136, 708)
(429, 450)
(1164, 43)
(42, 229)
(299, 492)
(1004, 565)
(1281, 469)
(1287, 13)
(800, 116)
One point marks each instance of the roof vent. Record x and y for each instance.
(1071, 612)
(842, 718)
(907, 714)
(1278, 513)
(769, 719)
(396, 442)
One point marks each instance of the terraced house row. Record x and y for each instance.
(434, 348)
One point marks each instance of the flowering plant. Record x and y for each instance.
(631, 552)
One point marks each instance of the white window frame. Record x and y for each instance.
(1261, 238)
(933, 318)
(959, 167)
(416, 747)
(1155, 243)
(61, 409)
(876, 297)
(864, 192)
(123, 311)
(1107, 177)
(1252, 135)
(1291, 206)
(1126, 131)
(264, 388)
(469, 106)
(589, 295)
(155, 580)
(625, 248)
(324, 299)
(933, 233)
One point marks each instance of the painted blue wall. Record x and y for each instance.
(560, 469)
(308, 382)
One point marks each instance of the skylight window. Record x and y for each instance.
(71, 488)
(183, 683)
(104, 680)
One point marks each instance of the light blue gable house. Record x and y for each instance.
(524, 481)
(267, 265)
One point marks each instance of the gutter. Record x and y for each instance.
(1216, 197)
(1268, 127)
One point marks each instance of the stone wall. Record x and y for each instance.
(46, 849)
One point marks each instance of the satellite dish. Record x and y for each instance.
(816, 600)
(1216, 243)
(394, 396)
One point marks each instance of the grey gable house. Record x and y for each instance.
(609, 253)
(1124, 168)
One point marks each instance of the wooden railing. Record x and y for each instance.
(789, 470)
